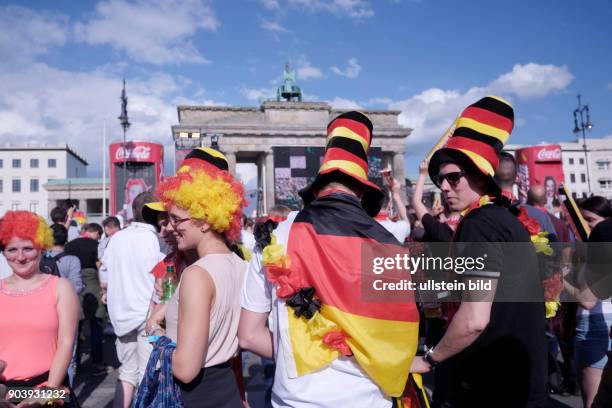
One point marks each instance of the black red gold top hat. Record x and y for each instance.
(346, 156)
(480, 134)
(200, 155)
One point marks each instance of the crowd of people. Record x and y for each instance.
(191, 283)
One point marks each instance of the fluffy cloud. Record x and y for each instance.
(305, 70)
(272, 26)
(343, 103)
(26, 33)
(271, 4)
(352, 70)
(532, 81)
(155, 32)
(356, 9)
(40, 103)
(433, 110)
(257, 94)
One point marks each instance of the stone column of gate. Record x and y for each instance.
(269, 161)
(230, 154)
(398, 170)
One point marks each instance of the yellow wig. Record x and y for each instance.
(213, 196)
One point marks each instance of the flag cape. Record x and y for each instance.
(325, 247)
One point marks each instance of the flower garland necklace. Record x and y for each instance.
(302, 299)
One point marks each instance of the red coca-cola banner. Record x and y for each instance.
(540, 165)
(143, 163)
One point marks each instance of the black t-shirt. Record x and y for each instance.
(435, 231)
(86, 249)
(599, 259)
(507, 364)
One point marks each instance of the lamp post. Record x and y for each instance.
(581, 112)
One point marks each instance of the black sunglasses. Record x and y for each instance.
(453, 178)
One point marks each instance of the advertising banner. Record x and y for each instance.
(143, 169)
(540, 165)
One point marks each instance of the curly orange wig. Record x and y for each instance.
(25, 225)
(208, 194)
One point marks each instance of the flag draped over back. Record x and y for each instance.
(325, 247)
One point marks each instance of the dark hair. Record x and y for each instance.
(60, 234)
(112, 222)
(93, 227)
(59, 215)
(139, 202)
(598, 205)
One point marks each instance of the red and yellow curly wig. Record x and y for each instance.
(26, 225)
(210, 195)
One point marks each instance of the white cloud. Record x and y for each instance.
(379, 101)
(531, 81)
(273, 26)
(257, 94)
(305, 70)
(433, 110)
(343, 103)
(356, 9)
(271, 4)
(26, 33)
(352, 70)
(44, 104)
(155, 31)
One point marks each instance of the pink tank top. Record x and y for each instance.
(28, 330)
(227, 272)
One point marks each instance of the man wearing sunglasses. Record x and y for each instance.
(494, 351)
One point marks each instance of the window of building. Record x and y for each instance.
(571, 160)
(582, 178)
(603, 164)
(572, 178)
(15, 205)
(16, 186)
(34, 206)
(574, 195)
(605, 184)
(581, 161)
(1, 163)
(1, 186)
(34, 163)
(16, 163)
(34, 185)
(52, 163)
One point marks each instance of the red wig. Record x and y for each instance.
(25, 225)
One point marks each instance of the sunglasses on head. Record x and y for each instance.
(453, 178)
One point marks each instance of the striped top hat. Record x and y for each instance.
(480, 134)
(346, 156)
(198, 157)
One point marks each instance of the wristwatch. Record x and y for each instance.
(429, 358)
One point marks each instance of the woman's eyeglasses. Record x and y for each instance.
(453, 178)
(175, 222)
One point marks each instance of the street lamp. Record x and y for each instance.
(580, 112)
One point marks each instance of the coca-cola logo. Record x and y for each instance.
(137, 152)
(547, 154)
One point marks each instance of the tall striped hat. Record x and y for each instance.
(346, 155)
(480, 134)
(198, 157)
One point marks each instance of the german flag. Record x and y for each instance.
(325, 247)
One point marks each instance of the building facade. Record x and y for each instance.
(86, 193)
(256, 134)
(24, 170)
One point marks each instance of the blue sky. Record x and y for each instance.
(63, 61)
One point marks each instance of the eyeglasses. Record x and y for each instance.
(453, 178)
(176, 221)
